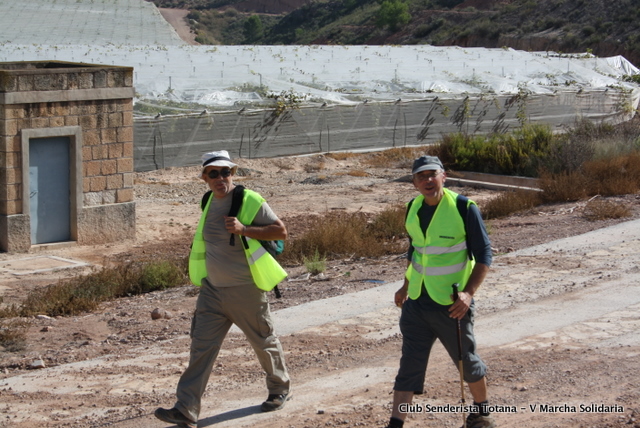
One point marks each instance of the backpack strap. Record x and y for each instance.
(462, 203)
(236, 203)
(406, 214)
(205, 199)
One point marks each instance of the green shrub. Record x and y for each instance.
(567, 153)
(253, 28)
(393, 14)
(160, 276)
(520, 153)
(230, 12)
(315, 264)
(635, 78)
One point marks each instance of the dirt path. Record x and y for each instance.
(539, 351)
(178, 20)
(557, 324)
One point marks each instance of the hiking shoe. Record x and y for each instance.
(476, 420)
(174, 416)
(395, 423)
(275, 402)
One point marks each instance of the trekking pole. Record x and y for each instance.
(464, 419)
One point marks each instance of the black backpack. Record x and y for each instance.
(463, 209)
(274, 247)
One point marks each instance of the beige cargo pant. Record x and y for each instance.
(217, 309)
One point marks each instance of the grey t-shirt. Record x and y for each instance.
(227, 265)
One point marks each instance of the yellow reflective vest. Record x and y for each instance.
(265, 270)
(440, 256)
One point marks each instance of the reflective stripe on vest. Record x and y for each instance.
(265, 270)
(438, 270)
(440, 256)
(255, 256)
(441, 250)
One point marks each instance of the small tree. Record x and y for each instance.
(392, 14)
(252, 28)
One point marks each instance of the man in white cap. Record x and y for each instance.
(234, 276)
(448, 245)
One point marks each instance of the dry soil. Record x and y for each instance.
(114, 366)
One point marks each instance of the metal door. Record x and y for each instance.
(49, 189)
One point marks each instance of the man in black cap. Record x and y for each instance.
(233, 280)
(448, 244)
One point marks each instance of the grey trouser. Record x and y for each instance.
(217, 309)
(421, 324)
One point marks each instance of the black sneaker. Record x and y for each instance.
(275, 402)
(476, 420)
(174, 416)
(395, 423)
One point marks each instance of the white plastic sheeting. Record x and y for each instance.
(87, 22)
(133, 33)
(351, 97)
(224, 76)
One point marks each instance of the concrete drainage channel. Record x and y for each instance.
(38, 264)
(493, 181)
(487, 181)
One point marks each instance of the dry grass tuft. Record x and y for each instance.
(340, 156)
(13, 334)
(358, 173)
(600, 209)
(397, 158)
(619, 175)
(563, 187)
(315, 166)
(283, 164)
(336, 235)
(510, 202)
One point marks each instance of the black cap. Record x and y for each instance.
(426, 163)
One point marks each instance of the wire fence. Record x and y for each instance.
(175, 141)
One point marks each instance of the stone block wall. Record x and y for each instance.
(92, 105)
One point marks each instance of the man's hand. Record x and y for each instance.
(233, 225)
(270, 232)
(463, 302)
(460, 306)
(401, 296)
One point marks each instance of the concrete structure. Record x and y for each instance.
(57, 117)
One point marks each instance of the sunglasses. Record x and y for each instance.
(214, 173)
(427, 177)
